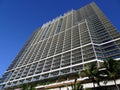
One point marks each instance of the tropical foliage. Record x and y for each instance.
(28, 87)
(77, 85)
(92, 72)
(111, 71)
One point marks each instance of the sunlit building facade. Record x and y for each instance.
(64, 46)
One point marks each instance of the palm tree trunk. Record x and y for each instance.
(93, 83)
(98, 83)
(67, 87)
(93, 86)
(116, 84)
(99, 86)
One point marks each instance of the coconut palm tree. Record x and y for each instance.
(92, 72)
(28, 87)
(25, 87)
(77, 85)
(112, 70)
(32, 86)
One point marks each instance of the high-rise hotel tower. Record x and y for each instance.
(64, 46)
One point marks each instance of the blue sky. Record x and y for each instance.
(19, 18)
